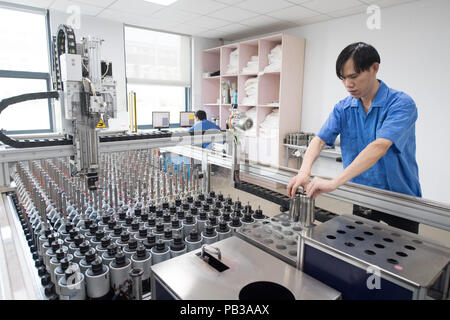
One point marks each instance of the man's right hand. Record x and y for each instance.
(301, 179)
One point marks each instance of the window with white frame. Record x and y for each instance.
(24, 68)
(158, 67)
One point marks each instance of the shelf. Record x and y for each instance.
(211, 104)
(249, 74)
(211, 78)
(268, 106)
(230, 75)
(270, 72)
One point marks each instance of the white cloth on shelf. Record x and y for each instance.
(274, 60)
(252, 65)
(233, 66)
(268, 139)
(251, 92)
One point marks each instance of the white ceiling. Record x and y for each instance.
(226, 19)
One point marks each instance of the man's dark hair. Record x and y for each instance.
(200, 114)
(363, 55)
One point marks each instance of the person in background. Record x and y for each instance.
(203, 124)
(377, 129)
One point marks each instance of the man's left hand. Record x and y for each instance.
(318, 186)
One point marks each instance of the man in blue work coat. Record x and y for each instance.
(377, 128)
(203, 124)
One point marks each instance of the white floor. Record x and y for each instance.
(221, 182)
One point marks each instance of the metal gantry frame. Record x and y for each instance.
(420, 210)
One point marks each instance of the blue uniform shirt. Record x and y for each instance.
(204, 125)
(391, 116)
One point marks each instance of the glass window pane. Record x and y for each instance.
(151, 98)
(24, 41)
(29, 115)
(157, 56)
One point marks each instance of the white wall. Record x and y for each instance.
(414, 46)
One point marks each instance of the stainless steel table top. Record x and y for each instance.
(402, 254)
(188, 277)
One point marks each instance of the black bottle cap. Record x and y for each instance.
(93, 228)
(112, 249)
(238, 204)
(180, 214)
(50, 239)
(42, 271)
(193, 235)
(235, 222)
(212, 219)
(159, 227)
(38, 263)
(175, 223)
(227, 208)
(152, 208)
(69, 226)
(144, 217)
(209, 230)
(117, 230)
(49, 290)
(60, 254)
(143, 232)
(209, 200)
(135, 225)
(137, 211)
(84, 247)
(166, 218)
(197, 203)
(248, 208)
(165, 205)
(226, 216)
(172, 209)
(160, 246)
(56, 245)
(219, 205)
(237, 213)
(106, 218)
(220, 197)
(168, 234)
(194, 211)
(124, 237)
(111, 224)
(216, 212)
(203, 215)
(206, 207)
(229, 201)
(151, 221)
(141, 252)
(74, 232)
(212, 194)
(128, 220)
(97, 266)
(177, 244)
(88, 223)
(248, 218)
(122, 215)
(90, 255)
(120, 259)
(45, 280)
(150, 241)
(65, 263)
(223, 226)
(159, 213)
(78, 239)
(99, 234)
(189, 219)
(201, 197)
(106, 241)
(132, 244)
(186, 206)
(190, 199)
(178, 202)
(258, 214)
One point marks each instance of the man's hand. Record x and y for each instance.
(301, 179)
(318, 186)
